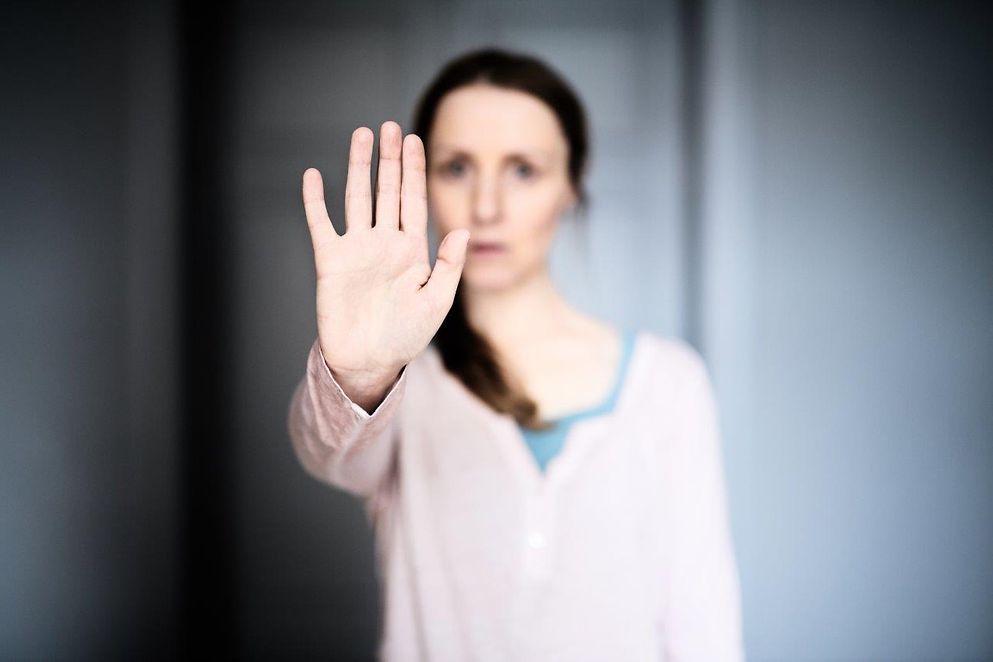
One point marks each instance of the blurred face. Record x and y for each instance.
(498, 165)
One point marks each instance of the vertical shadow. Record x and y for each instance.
(208, 618)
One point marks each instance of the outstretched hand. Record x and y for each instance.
(379, 302)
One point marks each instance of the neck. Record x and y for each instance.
(509, 317)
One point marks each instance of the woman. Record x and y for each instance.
(542, 486)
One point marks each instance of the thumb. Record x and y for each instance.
(440, 288)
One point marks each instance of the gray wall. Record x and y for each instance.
(88, 547)
(803, 190)
(849, 302)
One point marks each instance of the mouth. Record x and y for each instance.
(486, 248)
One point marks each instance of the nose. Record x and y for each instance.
(486, 202)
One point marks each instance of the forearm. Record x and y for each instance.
(338, 440)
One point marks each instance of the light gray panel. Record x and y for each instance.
(849, 308)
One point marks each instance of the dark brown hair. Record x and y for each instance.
(466, 353)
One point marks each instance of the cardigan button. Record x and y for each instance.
(536, 540)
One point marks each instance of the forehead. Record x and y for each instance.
(487, 119)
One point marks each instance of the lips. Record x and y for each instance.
(486, 246)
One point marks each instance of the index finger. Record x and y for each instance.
(318, 220)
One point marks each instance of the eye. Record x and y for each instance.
(524, 171)
(453, 168)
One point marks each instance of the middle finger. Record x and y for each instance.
(388, 178)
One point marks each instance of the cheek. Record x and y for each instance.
(446, 206)
(536, 214)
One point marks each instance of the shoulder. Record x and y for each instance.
(672, 357)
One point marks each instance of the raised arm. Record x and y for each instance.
(701, 618)
(379, 303)
(337, 440)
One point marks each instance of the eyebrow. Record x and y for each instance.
(536, 154)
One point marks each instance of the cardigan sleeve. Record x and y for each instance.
(336, 440)
(701, 617)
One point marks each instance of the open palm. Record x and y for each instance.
(379, 303)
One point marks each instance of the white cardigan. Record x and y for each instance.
(620, 551)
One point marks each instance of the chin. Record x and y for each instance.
(491, 278)
(487, 280)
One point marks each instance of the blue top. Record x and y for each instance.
(546, 444)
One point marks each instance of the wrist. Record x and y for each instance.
(366, 388)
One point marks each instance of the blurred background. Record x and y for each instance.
(802, 190)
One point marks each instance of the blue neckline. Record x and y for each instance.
(620, 377)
